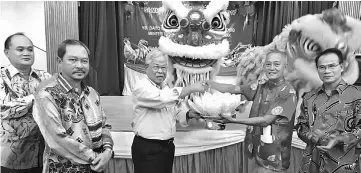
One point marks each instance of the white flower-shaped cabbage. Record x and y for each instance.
(212, 105)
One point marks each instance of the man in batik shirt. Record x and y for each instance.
(329, 122)
(71, 118)
(269, 132)
(21, 141)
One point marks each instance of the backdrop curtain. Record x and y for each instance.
(100, 28)
(272, 16)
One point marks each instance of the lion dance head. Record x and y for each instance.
(195, 40)
(303, 40)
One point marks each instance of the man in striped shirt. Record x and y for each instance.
(71, 118)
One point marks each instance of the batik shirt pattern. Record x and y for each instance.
(21, 141)
(336, 114)
(73, 125)
(271, 99)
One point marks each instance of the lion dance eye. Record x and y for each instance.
(310, 47)
(217, 24)
(171, 22)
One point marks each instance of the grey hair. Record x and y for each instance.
(155, 53)
(285, 56)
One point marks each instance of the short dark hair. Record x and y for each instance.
(330, 51)
(8, 40)
(62, 47)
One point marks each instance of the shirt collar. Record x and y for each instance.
(158, 86)
(67, 87)
(340, 87)
(276, 84)
(14, 71)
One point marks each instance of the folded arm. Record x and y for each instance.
(12, 106)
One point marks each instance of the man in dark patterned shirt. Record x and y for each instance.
(329, 122)
(22, 145)
(71, 118)
(270, 123)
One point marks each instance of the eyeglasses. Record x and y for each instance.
(156, 68)
(322, 68)
(269, 65)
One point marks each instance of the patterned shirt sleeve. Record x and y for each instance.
(49, 121)
(303, 124)
(284, 106)
(354, 137)
(249, 91)
(106, 135)
(12, 106)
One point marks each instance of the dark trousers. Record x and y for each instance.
(152, 156)
(31, 170)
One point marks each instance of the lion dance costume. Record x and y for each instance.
(195, 40)
(302, 41)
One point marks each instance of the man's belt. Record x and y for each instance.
(168, 141)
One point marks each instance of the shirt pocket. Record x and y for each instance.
(268, 152)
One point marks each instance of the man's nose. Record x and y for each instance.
(272, 67)
(26, 52)
(78, 64)
(327, 70)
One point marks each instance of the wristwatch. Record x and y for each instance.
(110, 151)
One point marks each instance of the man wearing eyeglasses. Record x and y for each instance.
(156, 110)
(329, 122)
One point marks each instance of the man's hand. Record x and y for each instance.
(225, 119)
(101, 161)
(199, 87)
(315, 136)
(333, 142)
(208, 83)
(193, 114)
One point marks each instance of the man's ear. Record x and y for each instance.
(6, 52)
(59, 60)
(342, 67)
